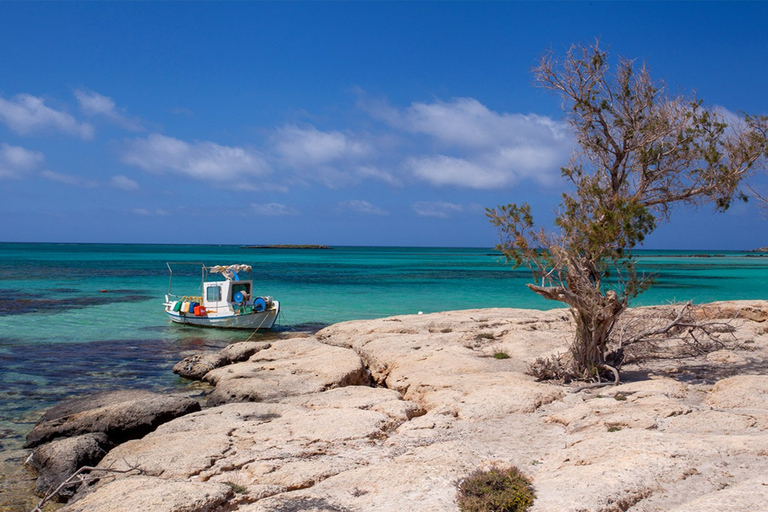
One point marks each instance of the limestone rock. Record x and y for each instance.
(264, 444)
(666, 438)
(136, 493)
(291, 367)
(242, 350)
(196, 366)
(58, 460)
(740, 392)
(121, 415)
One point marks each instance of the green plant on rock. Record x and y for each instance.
(495, 490)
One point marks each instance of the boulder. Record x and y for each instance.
(59, 459)
(292, 367)
(121, 415)
(196, 366)
(243, 350)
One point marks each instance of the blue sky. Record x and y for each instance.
(358, 123)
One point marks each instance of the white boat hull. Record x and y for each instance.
(255, 320)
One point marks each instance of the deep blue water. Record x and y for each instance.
(80, 318)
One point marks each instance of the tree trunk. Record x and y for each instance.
(594, 321)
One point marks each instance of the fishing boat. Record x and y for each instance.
(226, 300)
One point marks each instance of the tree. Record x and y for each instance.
(640, 152)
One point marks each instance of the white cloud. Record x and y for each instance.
(360, 206)
(443, 170)
(94, 104)
(123, 183)
(26, 114)
(439, 209)
(309, 147)
(478, 148)
(16, 161)
(69, 179)
(199, 160)
(273, 210)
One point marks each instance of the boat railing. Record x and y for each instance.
(170, 272)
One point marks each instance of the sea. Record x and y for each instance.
(81, 318)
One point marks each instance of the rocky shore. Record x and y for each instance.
(390, 414)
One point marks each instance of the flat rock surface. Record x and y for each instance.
(679, 434)
(137, 493)
(289, 367)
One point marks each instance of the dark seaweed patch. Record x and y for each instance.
(13, 302)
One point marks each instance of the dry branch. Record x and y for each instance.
(77, 478)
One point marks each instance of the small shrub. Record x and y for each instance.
(500, 355)
(495, 490)
(614, 429)
(620, 397)
(239, 489)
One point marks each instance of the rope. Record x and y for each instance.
(259, 327)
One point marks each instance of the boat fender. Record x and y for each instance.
(259, 304)
(202, 310)
(177, 306)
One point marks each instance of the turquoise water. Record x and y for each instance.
(81, 318)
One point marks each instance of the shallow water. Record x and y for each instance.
(79, 318)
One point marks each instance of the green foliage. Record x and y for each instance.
(237, 488)
(500, 355)
(495, 490)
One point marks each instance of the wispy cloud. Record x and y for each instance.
(360, 206)
(16, 162)
(123, 183)
(26, 114)
(375, 173)
(145, 212)
(94, 104)
(200, 160)
(69, 179)
(438, 209)
(273, 210)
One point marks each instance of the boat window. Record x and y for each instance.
(213, 294)
(241, 287)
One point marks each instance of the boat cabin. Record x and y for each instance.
(223, 293)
